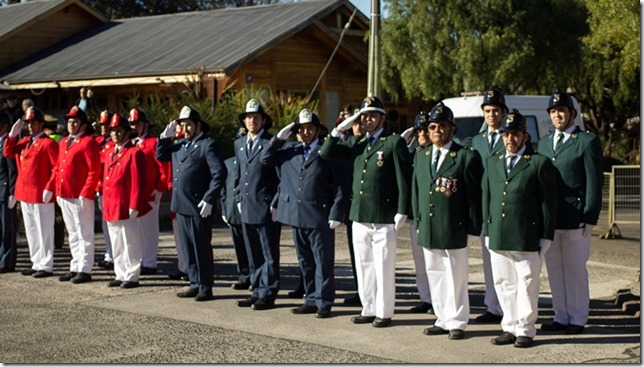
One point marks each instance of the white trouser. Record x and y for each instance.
(516, 279)
(150, 226)
(568, 276)
(447, 273)
(39, 229)
(422, 283)
(109, 258)
(79, 222)
(375, 250)
(182, 265)
(126, 246)
(491, 300)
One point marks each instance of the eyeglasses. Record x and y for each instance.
(433, 127)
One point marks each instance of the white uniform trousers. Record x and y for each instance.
(79, 222)
(422, 283)
(568, 276)
(39, 229)
(491, 300)
(182, 264)
(375, 250)
(109, 257)
(447, 272)
(126, 246)
(150, 226)
(516, 279)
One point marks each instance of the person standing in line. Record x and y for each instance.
(577, 157)
(312, 199)
(8, 212)
(380, 205)
(182, 262)
(36, 156)
(446, 202)
(256, 190)
(123, 203)
(155, 184)
(486, 144)
(74, 183)
(519, 208)
(198, 174)
(106, 144)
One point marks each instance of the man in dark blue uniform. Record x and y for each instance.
(8, 216)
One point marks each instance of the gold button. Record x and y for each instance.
(503, 215)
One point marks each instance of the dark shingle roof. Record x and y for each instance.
(14, 16)
(169, 44)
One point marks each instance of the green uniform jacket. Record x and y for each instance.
(447, 207)
(381, 175)
(521, 208)
(579, 177)
(481, 147)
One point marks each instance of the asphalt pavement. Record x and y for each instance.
(47, 321)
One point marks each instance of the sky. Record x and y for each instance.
(365, 6)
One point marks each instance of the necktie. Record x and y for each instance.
(31, 141)
(437, 157)
(307, 150)
(249, 148)
(492, 139)
(116, 152)
(560, 138)
(70, 140)
(510, 163)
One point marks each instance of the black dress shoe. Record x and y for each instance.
(42, 274)
(322, 313)
(127, 284)
(108, 265)
(523, 342)
(435, 330)
(239, 286)
(177, 276)
(574, 329)
(28, 272)
(354, 300)
(81, 278)
(380, 322)
(67, 277)
(6, 270)
(114, 283)
(488, 317)
(193, 292)
(456, 334)
(262, 304)
(504, 339)
(553, 326)
(304, 309)
(246, 302)
(148, 271)
(422, 307)
(362, 319)
(204, 296)
(296, 294)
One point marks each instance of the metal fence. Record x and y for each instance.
(623, 204)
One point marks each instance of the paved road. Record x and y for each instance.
(46, 321)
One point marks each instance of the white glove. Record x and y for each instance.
(99, 199)
(587, 230)
(344, 126)
(133, 213)
(223, 217)
(399, 220)
(46, 196)
(83, 202)
(487, 242)
(206, 209)
(473, 240)
(170, 130)
(544, 244)
(273, 214)
(285, 132)
(16, 128)
(157, 196)
(333, 224)
(408, 134)
(239, 207)
(12, 201)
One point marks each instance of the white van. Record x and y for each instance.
(469, 119)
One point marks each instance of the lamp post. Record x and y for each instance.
(373, 78)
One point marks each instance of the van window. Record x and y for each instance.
(532, 129)
(467, 127)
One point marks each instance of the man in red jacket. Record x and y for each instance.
(74, 182)
(123, 202)
(36, 156)
(106, 144)
(155, 185)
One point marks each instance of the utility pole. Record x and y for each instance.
(373, 83)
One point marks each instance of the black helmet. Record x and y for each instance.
(494, 97)
(561, 98)
(105, 117)
(253, 106)
(422, 121)
(440, 112)
(513, 121)
(137, 114)
(372, 103)
(306, 116)
(77, 113)
(34, 113)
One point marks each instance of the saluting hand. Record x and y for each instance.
(285, 132)
(408, 135)
(170, 130)
(344, 126)
(16, 128)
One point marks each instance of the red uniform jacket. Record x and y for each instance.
(107, 147)
(123, 182)
(78, 168)
(156, 173)
(35, 165)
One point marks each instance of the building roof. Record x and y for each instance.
(154, 46)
